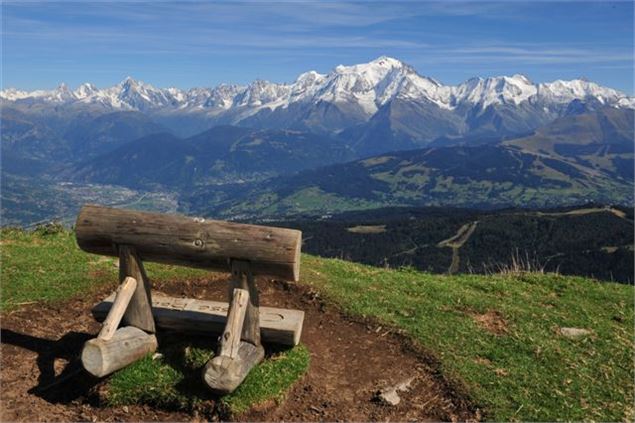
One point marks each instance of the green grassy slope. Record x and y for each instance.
(47, 265)
(498, 337)
(523, 369)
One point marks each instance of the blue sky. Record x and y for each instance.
(186, 44)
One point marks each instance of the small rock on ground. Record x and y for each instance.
(390, 394)
(574, 332)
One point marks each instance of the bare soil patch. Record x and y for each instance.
(351, 360)
(492, 321)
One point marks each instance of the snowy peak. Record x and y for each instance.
(565, 91)
(374, 70)
(372, 84)
(368, 76)
(85, 90)
(366, 86)
(495, 90)
(261, 92)
(142, 96)
(11, 94)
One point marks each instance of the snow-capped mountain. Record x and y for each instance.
(345, 98)
(370, 85)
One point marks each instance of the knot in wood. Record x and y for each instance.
(198, 242)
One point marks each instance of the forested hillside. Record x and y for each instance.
(592, 241)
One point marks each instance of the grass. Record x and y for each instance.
(269, 381)
(149, 381)
(519, 368)
(529, 372)
(46, 265)
(173, 381)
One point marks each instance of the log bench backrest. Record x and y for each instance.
(187, 241)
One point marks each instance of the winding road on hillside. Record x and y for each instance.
(464, 233)
(456, 242)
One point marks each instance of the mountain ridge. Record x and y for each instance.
(385, 75)
(346, 97)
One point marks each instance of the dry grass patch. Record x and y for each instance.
(367, 229)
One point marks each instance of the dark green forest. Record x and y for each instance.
(592, 240)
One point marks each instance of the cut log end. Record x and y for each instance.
(93, 358)
(224, 374)
(101, 357)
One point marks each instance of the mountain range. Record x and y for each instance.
(360, 136)
(384, 94)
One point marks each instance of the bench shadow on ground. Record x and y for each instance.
(61, 387)
(173, 347)
(71, 382)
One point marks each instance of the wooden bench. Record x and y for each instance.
(243, 250)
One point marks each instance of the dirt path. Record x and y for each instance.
(350, 360)
(580, 212)
(456, 242)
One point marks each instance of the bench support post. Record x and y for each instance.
(243, 278)
(116, 347)
(139, 311)
(122, 299)
(224, 372)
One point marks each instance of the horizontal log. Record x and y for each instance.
(195, 242)
(277, 325)
(100, 357)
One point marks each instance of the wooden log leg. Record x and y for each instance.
(230, 339)
(128, 344)
(119, 306)
(243, 278)
(139, 311)
(229, 368)
(223, 374)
